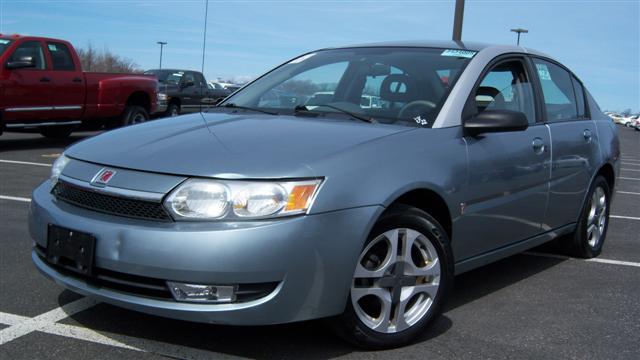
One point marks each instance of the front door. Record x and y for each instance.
(509, 171)
(28, 91)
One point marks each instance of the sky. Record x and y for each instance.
(597, 40)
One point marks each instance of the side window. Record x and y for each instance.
(577, 86)
(199, 80)
(60, 57)
(507, 87)
(559, 97)
(188, 78)
(31, 49)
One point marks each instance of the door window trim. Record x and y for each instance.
(470, 108)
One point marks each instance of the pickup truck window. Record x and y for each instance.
(4, 45)
(30, 49)
(60, 57)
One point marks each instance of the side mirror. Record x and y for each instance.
(496, 121)
(187, 84)
(21, 63)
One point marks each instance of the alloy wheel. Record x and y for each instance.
(597, 217)
(396, 280)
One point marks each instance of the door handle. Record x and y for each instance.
(45, 79)
(538, 146)
(77, 79)
(587, 135)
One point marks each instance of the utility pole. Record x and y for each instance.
(519, 31)
(457, 20)
(204, 46)
(162, 44)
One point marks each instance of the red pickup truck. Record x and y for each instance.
(43, 88)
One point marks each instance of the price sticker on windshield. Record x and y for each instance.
(458, 53)
(543, 72)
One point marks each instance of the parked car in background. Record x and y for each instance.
(617, 118)
(636, 123)
(322, 208)
(629, 120)
(43, 89)
(184, 91)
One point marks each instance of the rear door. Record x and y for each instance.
(67, 80)
(574, 148)
(508, 171)
(189, 93)
(28, 92)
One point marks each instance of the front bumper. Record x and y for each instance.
(311, 258)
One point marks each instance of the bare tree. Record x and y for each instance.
(105, 61)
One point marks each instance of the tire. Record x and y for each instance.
(134, 114)
(591, 230)
(173, 110)
(384, 287)
(57, 132)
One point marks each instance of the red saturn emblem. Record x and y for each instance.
(103, 177)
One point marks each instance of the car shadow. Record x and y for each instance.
(309, 340)
(33, 141)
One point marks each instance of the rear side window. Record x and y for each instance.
(557, 87)
(32, 49)
(60, 57)
(582, 110)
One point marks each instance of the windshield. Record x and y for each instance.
(166, 76)
(386, 84)
(4, 44)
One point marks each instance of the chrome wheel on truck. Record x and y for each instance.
(400, 280)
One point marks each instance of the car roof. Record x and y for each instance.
(457, 45)
(29, 37)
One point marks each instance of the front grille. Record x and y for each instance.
(115, 205)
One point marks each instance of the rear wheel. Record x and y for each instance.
(134, 114)
(57, 132)
(400, 280)
(591, 231)
(173, 110)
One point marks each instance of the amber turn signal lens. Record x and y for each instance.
(300, 196)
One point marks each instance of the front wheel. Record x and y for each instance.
(400, 280)
(591, 231)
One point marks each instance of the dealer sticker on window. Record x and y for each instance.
(459, 53)
(543, 72)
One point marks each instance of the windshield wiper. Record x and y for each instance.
(234, 106)
(303, 108)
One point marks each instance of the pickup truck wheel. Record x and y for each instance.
(134, 114)
(173, 110)
(400, 281)
(57, 132)
(591, 231)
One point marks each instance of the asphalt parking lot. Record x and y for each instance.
(534, 305)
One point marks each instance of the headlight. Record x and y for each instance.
(57, 167)
(162, 97)
(200, 199)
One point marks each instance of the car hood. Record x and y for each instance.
(230, 146)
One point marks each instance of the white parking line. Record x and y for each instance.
(41, 321)
(596, 260)
(14, 198)
(630, 163)
(24, 163)
(628, 192)
(627, 178)
(630, 169)
(624, 217)
(107, 338)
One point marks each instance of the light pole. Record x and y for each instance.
(457, 20)
(162, 44)
(519, 31)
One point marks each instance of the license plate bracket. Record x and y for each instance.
(72, 249)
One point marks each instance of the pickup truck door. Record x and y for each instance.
(67, 80)
(508, 171)
(27, 92)
(190, 93)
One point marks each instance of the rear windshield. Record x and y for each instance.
(388, 84)
(166, 76)
(4, 44)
